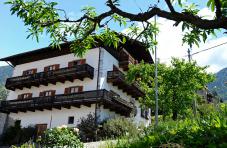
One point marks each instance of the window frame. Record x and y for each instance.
(52, 67)
(29, 72)
(68, 89)
(72, 63)
(43, 93)
(22, 96)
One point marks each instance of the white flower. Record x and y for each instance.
(62, 126)
(76, 130)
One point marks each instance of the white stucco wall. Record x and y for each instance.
(91, 58)
(54, 117)
(107, 65)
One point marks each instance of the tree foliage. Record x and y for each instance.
(3, 93)
(178, 84)
(44, 16)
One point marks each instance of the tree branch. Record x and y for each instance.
(218, 9)
(96, 19)
(178, 17)
(170, 6)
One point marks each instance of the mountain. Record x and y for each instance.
(219, 84)
(5, 72)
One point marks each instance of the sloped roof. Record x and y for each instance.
(137, 49)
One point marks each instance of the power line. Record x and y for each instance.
(166, 59)
(209, 48)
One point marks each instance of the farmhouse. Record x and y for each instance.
(52, 87)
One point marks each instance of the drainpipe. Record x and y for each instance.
(97, 88)
(98, 84)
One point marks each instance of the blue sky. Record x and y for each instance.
(13, 32)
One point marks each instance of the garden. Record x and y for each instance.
(208, 129)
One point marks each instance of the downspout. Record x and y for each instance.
(97, 84)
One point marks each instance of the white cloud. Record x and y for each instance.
(170, 45)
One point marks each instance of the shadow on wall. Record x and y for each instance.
(5, 123)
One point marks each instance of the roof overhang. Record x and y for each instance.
(137, 49)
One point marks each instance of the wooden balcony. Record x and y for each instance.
(104, 97)
(43, 78)
(125, 60)
(117, 78)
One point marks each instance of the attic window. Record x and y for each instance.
(76, 62)
(29, 72)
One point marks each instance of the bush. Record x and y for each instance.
(61, 137)
(88, 128)
(119, 127)
(209, 130)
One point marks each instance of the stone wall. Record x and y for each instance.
(3, 118)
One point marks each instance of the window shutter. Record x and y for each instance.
(80, 88)
(53, 92)
(41, 94)
(29, 95)
(34, 71)
(82, 61)
(70, 64)
(46, 68)
(67, 90)
(57, 66)
(24, 73)
(19, 97)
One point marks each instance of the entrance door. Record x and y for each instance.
(40, 129)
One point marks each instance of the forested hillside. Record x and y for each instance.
(219, 84)
(5, 72)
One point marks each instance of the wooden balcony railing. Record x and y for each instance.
(43, 78)
(125, 59)
(117, 78)
(108, 99)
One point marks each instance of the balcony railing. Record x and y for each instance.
(125, 59)
(117, 78)
(43, 78)
(108, 99)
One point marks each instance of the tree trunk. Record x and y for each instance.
(174, 109)
(174, 117)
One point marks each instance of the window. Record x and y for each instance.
(25, 96)
(52, 67)
(76, 62)
(29, 72)
(71, 120)
(40, 128)
(75, 89)
(47, 93)
(145, 113)
(17, 123)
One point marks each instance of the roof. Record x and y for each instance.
(137, 49)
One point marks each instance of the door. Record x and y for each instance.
(41, 129)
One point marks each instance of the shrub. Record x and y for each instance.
(118, 127)
(61, 137)
(209, 130)
(88, 128)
